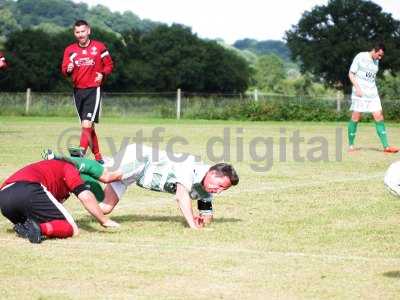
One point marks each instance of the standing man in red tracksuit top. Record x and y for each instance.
(32, 200)
(88, 62)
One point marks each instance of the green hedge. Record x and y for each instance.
(271, 108)
(268, 110)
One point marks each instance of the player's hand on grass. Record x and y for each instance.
(198, 221)
(207, 219)
(110, 224)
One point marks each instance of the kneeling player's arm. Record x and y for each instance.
(110, 200)
(185, 204)
(205, 210)
(89, 201)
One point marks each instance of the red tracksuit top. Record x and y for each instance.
(59, 177)
(87, 62)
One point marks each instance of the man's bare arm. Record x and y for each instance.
(90, 203)
(353, 80)
(185, 204)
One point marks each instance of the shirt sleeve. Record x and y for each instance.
(72, 177)
(88, 166)
(95, 187)
(108, 63)
(68, 57)
(184, 175)
(355, 64)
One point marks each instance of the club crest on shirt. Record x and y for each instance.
(93, 50)
(89, 115)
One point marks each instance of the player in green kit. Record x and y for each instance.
(365, 97)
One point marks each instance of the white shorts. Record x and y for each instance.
(368, 105)
(131, 163)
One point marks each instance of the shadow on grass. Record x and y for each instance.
(10, 131)
(87, 222)
(392, 274)
(373, 149)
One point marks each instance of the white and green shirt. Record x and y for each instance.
(154, 170)
(365, 69)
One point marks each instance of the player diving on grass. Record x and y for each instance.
(156, 170)
(365, 97)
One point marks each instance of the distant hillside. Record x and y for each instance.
(56, 15)
(264, 47)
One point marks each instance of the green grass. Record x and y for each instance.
(302, 230)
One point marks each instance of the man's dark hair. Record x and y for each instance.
(379, 46)
(227, 170)
(81, 23)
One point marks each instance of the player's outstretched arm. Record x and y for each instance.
(185, 204)
(110, 200)
(90, 203)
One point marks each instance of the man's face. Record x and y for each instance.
(214, 183)
(82, 34)
(377, 54)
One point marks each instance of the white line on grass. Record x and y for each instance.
(113, 246)
(311, 184)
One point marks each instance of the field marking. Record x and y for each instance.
(310, 184)
(112, 246)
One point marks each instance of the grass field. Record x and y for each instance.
(301, 230)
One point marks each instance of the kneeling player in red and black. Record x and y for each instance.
(32, 200)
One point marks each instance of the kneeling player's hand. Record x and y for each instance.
(110, 223)
(199, 221)
(207, 219)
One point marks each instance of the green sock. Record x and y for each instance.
(351, 132)
(380, 130)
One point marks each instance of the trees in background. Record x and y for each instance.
(327, 38)
(150, 56)
(163, 59)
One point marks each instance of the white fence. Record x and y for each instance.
(175, 104)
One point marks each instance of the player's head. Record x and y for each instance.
(81, 31)
(378, 51)
(220, 177)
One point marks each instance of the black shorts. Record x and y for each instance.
(87, 103)
(22, 200)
